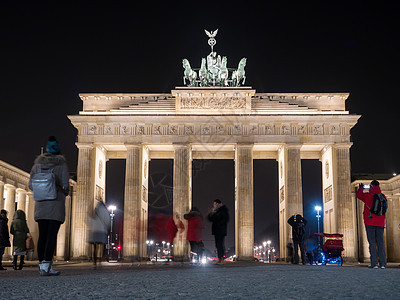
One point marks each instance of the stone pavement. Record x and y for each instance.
(183, 281)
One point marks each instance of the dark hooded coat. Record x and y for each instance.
(4, 234)
(19, 229)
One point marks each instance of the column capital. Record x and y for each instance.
(181, 145)
(133, 146)
(244, 145)
(84, 145)
(342, 145)
(293, 146)
(10, 186)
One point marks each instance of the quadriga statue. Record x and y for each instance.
(188, 74)
(239, 74)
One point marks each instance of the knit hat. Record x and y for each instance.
(52, 146)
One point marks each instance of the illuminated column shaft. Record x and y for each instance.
(244, 205)
(30, 212)
(182, 195)
(132, 202)
(291, 193)
(9, 206)
(1, 195)
(83, 205)
(21, 199)
(344, 204)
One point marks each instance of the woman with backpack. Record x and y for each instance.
(49, 213)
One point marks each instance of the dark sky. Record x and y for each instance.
(52, 52)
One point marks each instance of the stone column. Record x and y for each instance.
(290, 191)
(21, 199)
(182, 196)
(1, 194)
(62, 250)
(345, 210)
(9, 206)
(131, 244)
(83, 205)
(244, 204)
(30, 211)
(393, 232)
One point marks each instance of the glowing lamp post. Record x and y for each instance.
(318, 209)
(112, 208)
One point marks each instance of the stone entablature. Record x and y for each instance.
(161, 126)
(13, 176)
(188, 100)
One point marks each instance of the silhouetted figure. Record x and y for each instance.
(19, 229)
(4, 235)
(219, 216)
(298, 224)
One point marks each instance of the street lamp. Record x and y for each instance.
(269, 250)
(318, 209)
(112, 208)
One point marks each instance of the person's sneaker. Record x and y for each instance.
(383, 267)
(372, 267)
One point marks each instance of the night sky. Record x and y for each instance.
(51, 53)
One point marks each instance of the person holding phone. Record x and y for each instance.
(374, 225)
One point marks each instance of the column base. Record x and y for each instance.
(245, 258)
(179, 258)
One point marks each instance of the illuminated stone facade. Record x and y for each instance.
(215, 123)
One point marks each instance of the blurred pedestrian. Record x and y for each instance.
(298, 224)
(194, 233)
(4, 235)
(50, 213)
(19, 229)
(374, 225)
(99, 223)
(219, 216)
(310, 246)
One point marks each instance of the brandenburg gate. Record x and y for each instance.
(214, 117)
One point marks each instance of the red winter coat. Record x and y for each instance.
(195, 226)
(368, 198)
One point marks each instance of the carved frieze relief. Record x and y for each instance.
(213, 103)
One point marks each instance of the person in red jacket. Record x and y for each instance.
(374, 225)
(194, 232)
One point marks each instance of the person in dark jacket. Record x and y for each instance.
(374, 226)
(4, 235)
(19, 229)
(219, 216)
(50, 214)
(298, 224)
(194, 232)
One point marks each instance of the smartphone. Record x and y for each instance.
(366, 186)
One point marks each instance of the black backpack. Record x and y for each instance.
(379, 205)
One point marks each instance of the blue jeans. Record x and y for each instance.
(376, 244)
